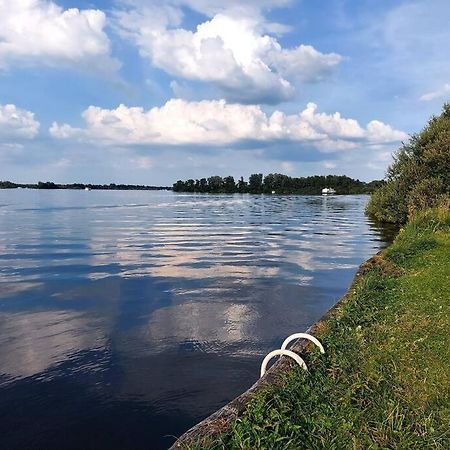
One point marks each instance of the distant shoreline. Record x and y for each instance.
(277, 183)
(81, 186)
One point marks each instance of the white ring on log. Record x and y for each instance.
(304, 336)
(283, 352)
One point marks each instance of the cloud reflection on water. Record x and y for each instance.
(31, 343)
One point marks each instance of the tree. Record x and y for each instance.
(229, 186)
(179, 186)
(203, 185)
(7, 185)
(281, 184)
(190, 185)
(215, 183)
(255, 185)
(46, 185)
(419, 177)
(242, 185)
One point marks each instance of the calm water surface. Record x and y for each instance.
(126, 317)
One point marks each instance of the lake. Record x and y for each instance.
(128, 316)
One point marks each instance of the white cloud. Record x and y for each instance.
(36, 32)
(379, 132)
(231, 51)
(304, 63)
(16, 123)
(328, 125)
(442, 93)
(218, 123)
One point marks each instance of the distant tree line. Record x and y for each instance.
(111, 186)
(278, 183)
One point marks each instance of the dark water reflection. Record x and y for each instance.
(126, 317)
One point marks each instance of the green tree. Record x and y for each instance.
(203, 185)
(419, 177)
(215, 183)
(281, 184)
(46, 185)
(255, 184)
(229, 186)
(179, 186)
(190, 185)
(242, 185)
(7, 185)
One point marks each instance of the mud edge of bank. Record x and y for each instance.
(221, 421)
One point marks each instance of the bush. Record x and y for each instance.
(387, 205)
(428, 193)
(419, 177)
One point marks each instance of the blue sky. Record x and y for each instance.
(150, 91)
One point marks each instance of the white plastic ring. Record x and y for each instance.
(283, 352)
(304, 336)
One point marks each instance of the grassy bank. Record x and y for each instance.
(384, 381)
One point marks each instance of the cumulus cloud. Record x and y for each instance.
(442, 93)
(35, 32)
(218, 123)
(231, 51)
(380, 132)
(16, 123)
(304, 62)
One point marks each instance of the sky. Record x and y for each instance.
(152, 91)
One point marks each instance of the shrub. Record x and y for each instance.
(387, 205)
(428, 193)
(419, 177)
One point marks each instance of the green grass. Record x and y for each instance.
(384, 382)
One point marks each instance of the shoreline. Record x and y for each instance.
(373, 368)
(221, 420)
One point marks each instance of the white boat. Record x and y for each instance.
(328, 191)
(87, 188)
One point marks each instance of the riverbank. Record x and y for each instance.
(82, 186)
(384, 381)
